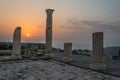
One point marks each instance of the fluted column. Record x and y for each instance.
(48, 48)
(97, 55)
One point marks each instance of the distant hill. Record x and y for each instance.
(112, 51)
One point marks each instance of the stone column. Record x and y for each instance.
(49, 32)
(16, 54)
(67, 52)
(97, 55)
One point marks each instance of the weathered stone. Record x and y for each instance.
(49, 32)
(67, 52)
(16, 54)
(48, 70)
(27, 54)
(97, 55)
(5, 52)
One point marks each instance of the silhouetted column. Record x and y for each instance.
(97, 55)
(49, 32)
(67, 52)
(17, 43)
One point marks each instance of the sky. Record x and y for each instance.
(73, 21)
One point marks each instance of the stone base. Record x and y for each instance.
(12, 57)
(4, 58)
(66, 59)
(98, 66)
(16, 57)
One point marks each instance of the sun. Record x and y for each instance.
(28, 35)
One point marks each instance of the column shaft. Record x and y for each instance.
(97, 47)
(67, 52)
(97, 55)
(17, 43)
(49, 31)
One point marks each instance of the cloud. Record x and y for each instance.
(91, 25)
(80, 32)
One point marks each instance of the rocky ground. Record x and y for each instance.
(47, 70)
(113, 66)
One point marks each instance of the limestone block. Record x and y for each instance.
(67, 52)
(17, 43)
(97, 55)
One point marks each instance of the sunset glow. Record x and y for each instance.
(71, 23)
(28, 35)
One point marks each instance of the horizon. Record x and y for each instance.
(73, 23)
(59, 48)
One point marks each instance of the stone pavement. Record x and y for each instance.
(47, 70)
(83, 61)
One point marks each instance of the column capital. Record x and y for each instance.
(49, 11)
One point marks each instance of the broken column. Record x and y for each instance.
(16, 54)
(49, 32)
(97, 55)
(67, 52)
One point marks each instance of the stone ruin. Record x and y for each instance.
(32, 53)
(67, 52)
(16, 54)
(97, 56)
(48, 48)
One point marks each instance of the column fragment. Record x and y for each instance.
(67, 52)
(17, 43)
(97, 55)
